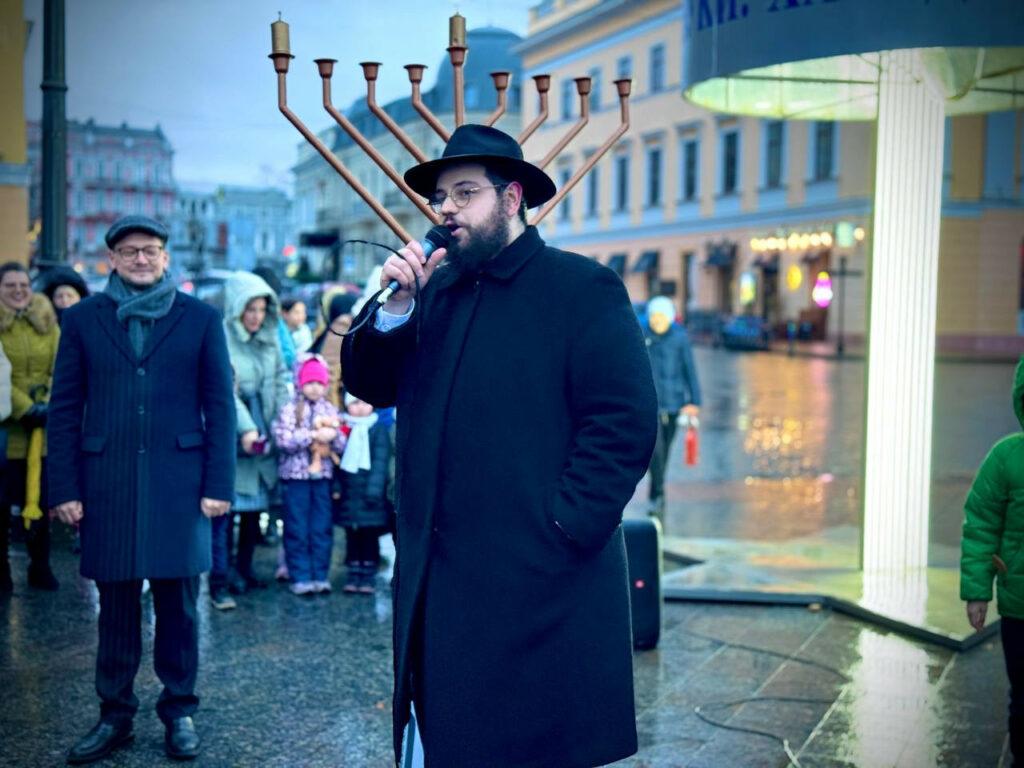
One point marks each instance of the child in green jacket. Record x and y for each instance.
(993, 548)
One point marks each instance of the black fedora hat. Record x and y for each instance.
(492, 148)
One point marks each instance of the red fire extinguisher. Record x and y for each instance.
(692, 446)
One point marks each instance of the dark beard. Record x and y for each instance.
(484, 243)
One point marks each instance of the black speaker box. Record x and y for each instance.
(643, 555)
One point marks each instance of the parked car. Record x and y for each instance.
(747, 332)
(208, 287)
(704, 326)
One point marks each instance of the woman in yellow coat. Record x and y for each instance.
(29, 336)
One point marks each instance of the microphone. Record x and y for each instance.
(438, 237)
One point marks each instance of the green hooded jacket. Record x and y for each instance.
(259, 370)
(994, 521)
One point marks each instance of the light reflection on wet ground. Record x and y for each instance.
(287, 682)
(782, 447)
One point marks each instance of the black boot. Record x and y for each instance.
(40, 576)
(181, 741)
(103, 739)
(368, 578)
(353, 578)
(237, 584)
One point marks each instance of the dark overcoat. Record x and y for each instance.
(364, 499)
(139, 440)
(526, 416)
(675, 375)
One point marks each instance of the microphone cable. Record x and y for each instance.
(374, 306)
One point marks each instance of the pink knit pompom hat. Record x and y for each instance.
(313, 369)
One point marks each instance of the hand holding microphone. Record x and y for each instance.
(414, 261)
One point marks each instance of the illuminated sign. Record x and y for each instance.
(731, 53)
(794, 277)
(748, 288)
(793, 241)
(822, 291)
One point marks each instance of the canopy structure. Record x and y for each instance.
(905, 64)
(822, 59)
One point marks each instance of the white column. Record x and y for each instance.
(901, 353)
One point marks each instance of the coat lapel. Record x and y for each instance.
(107, 314)
(163, 326)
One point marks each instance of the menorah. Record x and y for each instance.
(457, 51)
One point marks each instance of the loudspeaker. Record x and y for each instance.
(643, 556)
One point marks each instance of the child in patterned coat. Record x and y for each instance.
(307, 444)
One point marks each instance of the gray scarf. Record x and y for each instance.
(139, 308)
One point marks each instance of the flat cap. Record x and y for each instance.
(127, 225)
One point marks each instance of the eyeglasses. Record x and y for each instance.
(460, 196)
(151, 252)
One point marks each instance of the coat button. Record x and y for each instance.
(142, 449)
(142, 409)
(140, 371)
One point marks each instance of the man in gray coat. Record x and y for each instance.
(677, 385)
(141, 432)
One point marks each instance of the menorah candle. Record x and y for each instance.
(279, 37)
(457, 31)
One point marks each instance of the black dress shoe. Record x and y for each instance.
(41, 577)
(181, 741)
(237, 585)
(103, 739)
(251, 582)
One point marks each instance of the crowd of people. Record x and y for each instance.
(524, 435)
(307, 453)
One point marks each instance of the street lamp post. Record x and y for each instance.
(842, 274)
(197, 241)
(54, 241)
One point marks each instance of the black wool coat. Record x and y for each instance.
(364, 494)
(140, 440)
(526, 416)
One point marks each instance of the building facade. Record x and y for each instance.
(112, 171)
(328, 212)
(14, 166)
(742, 216)
(230, 227)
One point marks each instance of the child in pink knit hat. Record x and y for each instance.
(307, 436)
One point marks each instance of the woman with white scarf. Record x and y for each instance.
(364, 509)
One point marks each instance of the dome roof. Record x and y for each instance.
(490, 50)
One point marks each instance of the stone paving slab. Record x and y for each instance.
(288, 683)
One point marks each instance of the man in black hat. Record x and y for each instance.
(141, 432)
(526, 416)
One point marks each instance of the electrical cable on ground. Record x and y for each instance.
(699, 709)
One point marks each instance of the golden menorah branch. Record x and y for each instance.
(623, 87)
(416, 78)
(457, 54)
(543, 84)
(457, 49)
(326, 69)
(370, 71)
(501, 81)
(281, 61)
(583, 89)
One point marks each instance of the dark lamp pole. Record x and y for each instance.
(54, 242)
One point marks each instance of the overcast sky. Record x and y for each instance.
(199, 68)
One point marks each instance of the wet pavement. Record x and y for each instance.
(782, 441)
(292, 682)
